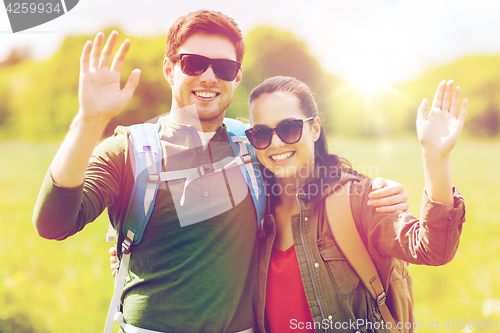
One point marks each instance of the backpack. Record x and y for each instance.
(147, 155)
(396, 306)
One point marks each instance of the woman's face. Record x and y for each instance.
(282, 159)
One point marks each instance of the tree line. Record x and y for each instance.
(38, 99)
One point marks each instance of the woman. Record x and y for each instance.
(290, 143)
(291, 146)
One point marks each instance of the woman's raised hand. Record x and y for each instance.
(439, 129)
(100, 95)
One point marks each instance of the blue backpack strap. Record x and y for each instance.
(147, 163)
(146, 158)
(253, 176)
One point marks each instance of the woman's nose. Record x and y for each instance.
(276, 141)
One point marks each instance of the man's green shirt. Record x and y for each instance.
(198, 278)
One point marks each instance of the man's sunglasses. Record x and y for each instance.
(289, 131)
(194, 65)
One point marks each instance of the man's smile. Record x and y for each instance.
(206, 94)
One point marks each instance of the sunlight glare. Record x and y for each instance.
(369, 82)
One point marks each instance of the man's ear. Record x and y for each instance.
(238, 78)
(168, 69)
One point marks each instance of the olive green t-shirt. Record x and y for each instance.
(195, 276)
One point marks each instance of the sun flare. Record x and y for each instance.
(369, 83)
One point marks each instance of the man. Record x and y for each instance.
(193, 277)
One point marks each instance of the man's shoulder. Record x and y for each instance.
(115, 144)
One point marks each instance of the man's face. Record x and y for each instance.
(209, 94)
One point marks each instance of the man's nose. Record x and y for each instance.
(209, 75)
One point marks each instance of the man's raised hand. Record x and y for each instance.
(100, 95)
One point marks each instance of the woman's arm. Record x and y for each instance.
(438, 132)
(433, 239)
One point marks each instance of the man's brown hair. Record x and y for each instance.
(208, 22)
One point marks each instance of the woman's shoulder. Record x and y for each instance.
(358, 183)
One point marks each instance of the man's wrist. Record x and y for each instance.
(92, 122)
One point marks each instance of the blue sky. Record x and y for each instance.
(374, 41)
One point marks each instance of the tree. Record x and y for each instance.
(272, 52)
(486, 123)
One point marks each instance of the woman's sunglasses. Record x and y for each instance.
(289, 131)
(194, 65)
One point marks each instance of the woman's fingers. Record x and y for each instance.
(112, 253)
(114, 269)
(423, 110)
(456, 102)
(448, 92)
(438, 97)
(113, 260)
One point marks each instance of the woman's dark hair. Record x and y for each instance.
(307, 105)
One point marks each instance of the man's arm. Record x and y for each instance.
(101, 98)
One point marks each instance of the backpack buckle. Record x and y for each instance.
(127, 245)
(154, 178)
(247, 158)
(381, 299)
(206, 169)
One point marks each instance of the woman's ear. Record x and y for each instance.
(316, 128)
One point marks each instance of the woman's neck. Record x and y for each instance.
(286, 188)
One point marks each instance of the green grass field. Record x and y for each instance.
(50, 286)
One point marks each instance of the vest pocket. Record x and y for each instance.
(343, 276)
(400, 300)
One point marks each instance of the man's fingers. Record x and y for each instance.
(401, 197)
(95, 54)
(120, 56)
(112, 250)
(378, 183)
(389, 188)
(107, 52)
(386, 191)
(438, 97)
(85, 58)
(394, 208)
(132, 82)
